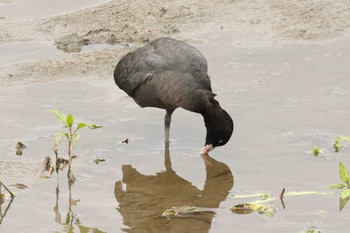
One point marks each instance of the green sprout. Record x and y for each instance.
(316, 151)
(311, 230)
(345, 185)
(72, 138)
(337, 145)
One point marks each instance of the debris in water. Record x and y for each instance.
(281, 198)
(311, 230)
(184, 210)
(20, 186)
(249, 208)
(19, 148)
(62, 163)
(48, 167)
(97, 161)
(126, 141)
(7, 189)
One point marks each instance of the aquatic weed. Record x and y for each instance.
(72, 138)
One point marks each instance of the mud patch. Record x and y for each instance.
(253, 23)
(75, 43)
(96, 65)
(310, 19)
(12, 172)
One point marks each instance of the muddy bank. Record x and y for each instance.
(134, 23)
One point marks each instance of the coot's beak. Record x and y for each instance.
(206, 149)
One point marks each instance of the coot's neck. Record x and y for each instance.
(218, 123)
(211, 112)
(211, 115)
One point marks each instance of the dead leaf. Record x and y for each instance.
(20, 186)
(19, 148)
(249, 208)
(97, 161)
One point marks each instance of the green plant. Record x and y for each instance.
(316, 151)
(311, 230)
(72, 138)
(344, 177)
(345, 185)
(337, 145)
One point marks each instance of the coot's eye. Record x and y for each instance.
(221, 141)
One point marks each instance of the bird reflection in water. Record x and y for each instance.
(147, 196)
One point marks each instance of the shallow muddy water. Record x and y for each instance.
(284, 99)
(30, 51)
(12, 10)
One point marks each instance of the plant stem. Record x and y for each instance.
(70, 142)
(8, 190)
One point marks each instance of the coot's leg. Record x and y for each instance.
(167, 160)
(167, 120)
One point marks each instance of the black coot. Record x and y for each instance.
(168, 74)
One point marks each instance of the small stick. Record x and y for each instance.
(282, 193)
(8, 190)
(281, 198)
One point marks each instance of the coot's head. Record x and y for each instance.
(219, 131)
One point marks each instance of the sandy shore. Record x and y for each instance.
(133, 23)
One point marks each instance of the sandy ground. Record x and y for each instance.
(132, 23)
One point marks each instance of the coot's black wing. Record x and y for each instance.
(163, 54)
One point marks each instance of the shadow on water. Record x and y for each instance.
(147, 196)
(71, 219)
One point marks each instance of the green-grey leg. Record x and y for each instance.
(167, 121)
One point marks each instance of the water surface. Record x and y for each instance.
(34, 9)
(284, 99)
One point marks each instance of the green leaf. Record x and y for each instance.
(60, 116)
(81, 125)
(336, 186)
(304, 193)
(345, 194)
(261, 195)
(311, 230)
(344, 138)
(70, 120)
(316, 151)
(337, 146)
(58, 141)
(93, 126)
(59, 137)
(344, 176)
(338, 142)
(342, 203)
